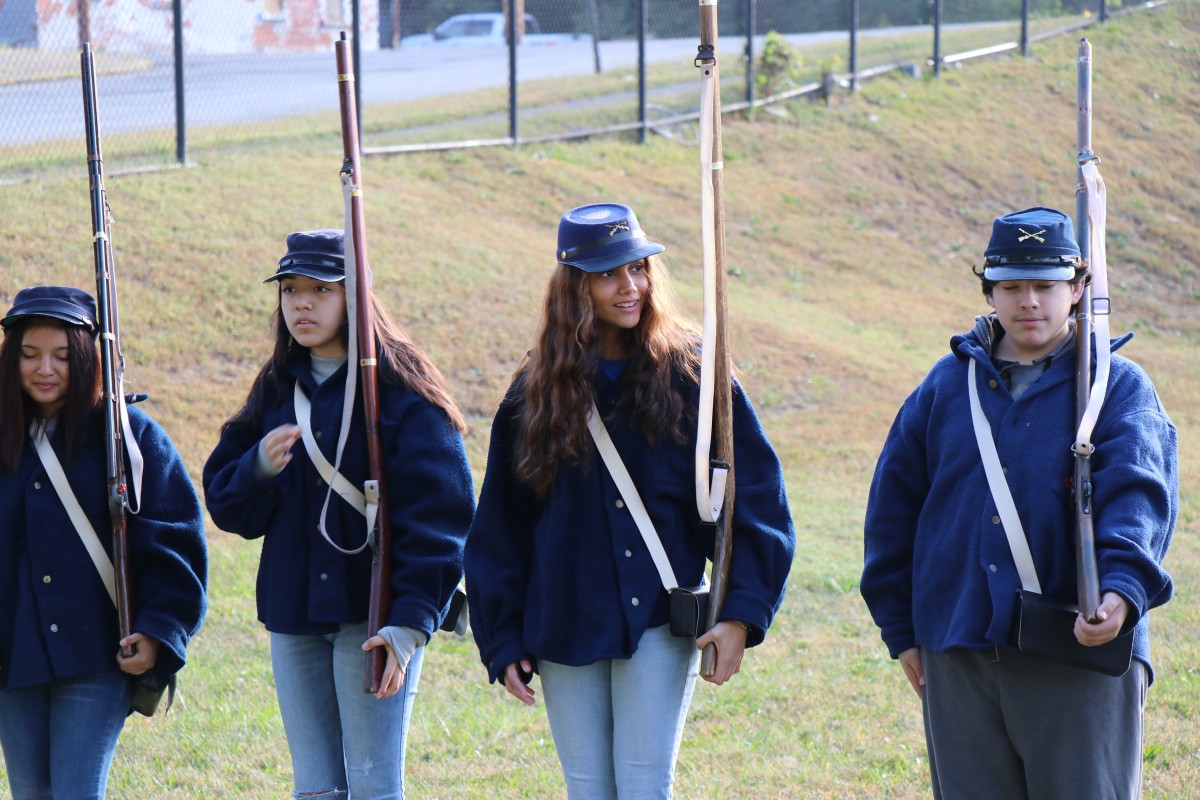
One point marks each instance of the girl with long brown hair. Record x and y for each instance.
(314, 573)
(559, 579)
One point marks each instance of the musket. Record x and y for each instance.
(1086, 569)
(376, 485)
(715, 499)
(112, 359)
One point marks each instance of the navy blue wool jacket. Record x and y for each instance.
(305, 586)
(938, 570)
(570, 580)
(56, 618)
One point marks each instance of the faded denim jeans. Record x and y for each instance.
(59, 738)
(344, 742)
(617, 723)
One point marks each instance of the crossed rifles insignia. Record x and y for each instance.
(1028, 235)
(624, 226)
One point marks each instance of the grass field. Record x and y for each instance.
(851, 233)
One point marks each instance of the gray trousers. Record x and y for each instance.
(1001, 724)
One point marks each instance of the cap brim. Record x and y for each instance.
(1029, 272)
(54, 313)
(613, 260)
(313, 271)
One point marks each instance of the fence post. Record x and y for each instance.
(1103, 11)
(853, 45)
(595, 16)
(1025, 28)
(180, 102)
(389, 23)
(937, 37)
(751, 28)
(512, 68)
(84, 20)
(641, 90)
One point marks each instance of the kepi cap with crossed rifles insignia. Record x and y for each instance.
(602, 236)
(1034, 244)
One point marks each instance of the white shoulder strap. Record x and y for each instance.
(368, 507)
(710, 482)
(134, 452)
(83, 526)
(1101, 306)
(633, 501)
(1001, 494)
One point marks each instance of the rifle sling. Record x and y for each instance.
(365, 503)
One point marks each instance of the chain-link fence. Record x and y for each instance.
(174, 74)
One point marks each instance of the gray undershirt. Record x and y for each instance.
(1018, 377)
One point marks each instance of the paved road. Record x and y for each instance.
(262, 87)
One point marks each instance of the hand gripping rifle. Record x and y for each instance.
(714, 476)
(362, 326)
(112, 360)
(1089, 396)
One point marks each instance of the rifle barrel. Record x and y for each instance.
(723, 397)
(111, 361)
(380, 596)
(1086, 570)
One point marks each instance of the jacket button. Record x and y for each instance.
(628, 553)
(992, 567)
(636, 602)
(316, 434)
(992, 383)
(54, 628)
(995, 520)
(320, 482)
(620, 503)
(37, 484)
(324, 576)
(45, 579)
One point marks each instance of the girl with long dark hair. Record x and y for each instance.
(314, 575)
(559, 579)
(66, 685)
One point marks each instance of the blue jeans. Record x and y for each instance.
(59, 738)
(344, 742)
(617, 723)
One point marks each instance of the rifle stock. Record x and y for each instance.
(380, 597)
(723, 388)
(112, 360)
(1086, 570)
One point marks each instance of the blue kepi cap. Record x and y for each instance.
(66, 303)
(1034, 244)
(313, 254)
(602, 236)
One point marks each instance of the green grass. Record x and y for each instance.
(852, 230)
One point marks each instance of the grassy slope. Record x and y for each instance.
(852, 231)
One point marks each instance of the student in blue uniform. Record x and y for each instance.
(314, 576)
(560, 582)
(66, 686)
(940, 578)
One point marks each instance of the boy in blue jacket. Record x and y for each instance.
(939, 576)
